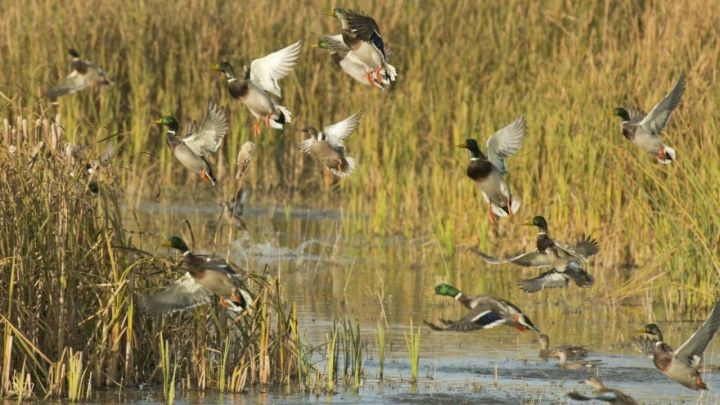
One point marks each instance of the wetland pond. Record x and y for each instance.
(389, 280)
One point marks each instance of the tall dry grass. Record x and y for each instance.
(68, 275)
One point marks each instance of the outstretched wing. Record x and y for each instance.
(581, 277)
(549, 279)
(184, 293)
(530, 259)
(658, 117)
(74, 82)
(366, 29)
(207, 138)
(266, 71)
(692, 350)
(481, 318)
(585, 247)
(334, 43)
(336, 133)
(505, 142)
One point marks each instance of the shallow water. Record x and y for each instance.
(371, 279)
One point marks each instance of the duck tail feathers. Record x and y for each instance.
(348, 169)
(284, 116)
(669, 154)
(502, 211)
(390, 72)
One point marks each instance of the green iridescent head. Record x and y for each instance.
(224, 67)
(446, 290)
(176, 243)
(169, 122)
(622, 113)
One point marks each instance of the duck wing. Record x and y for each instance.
(505, 142)
(336, 133)
(529, 259)
(692, 350)
(183, 294)
(585, 247)
(366, 29)
(548, 279)
(335, 43)
(577, 274)
(207, 138)
(266, 71)
(74, 82)
(658, 117)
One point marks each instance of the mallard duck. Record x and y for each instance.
(85, 74)
(485, 312)
(571, 352)
(343, 56)
(328, 145)
(260, 79)
(244, 157)
(362, 35)
(646, 338)
(566, 364)
(489, 171)
(682, 365)
(205, 276)
(549, 252)
(644, 130)
(603, 393)
(199, 142)
(558, 279)
(233, 209)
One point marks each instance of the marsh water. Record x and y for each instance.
(374, 279)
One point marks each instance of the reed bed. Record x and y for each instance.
(69, 272)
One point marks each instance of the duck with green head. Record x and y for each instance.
(205, 276)
(362, 35)
(485, 312)
(682, 365)
(193, 150)
(646, 337)
(328, 145)
(346, 59)
(549, 252)
(258, 82)
(85, 74)
(645, 130)
(488, 171)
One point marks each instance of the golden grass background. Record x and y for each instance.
(466, 69)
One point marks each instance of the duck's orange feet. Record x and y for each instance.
(267, 120)
(368, 77)
(205, 176)
(223, 303)
(256, 128)
(509, 206)
(491, 215)
(661, 153)
(378, 76)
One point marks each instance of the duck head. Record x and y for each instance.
(168, 121)
(446, 290)
(176, 243)
(472, 146)
(538, 221)
(621, 112)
